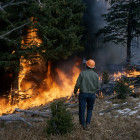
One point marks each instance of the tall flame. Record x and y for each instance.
(31, 93)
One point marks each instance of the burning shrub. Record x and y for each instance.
(122, 88)
(61, 120)
(105, 77)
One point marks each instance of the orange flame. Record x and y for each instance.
(132, 73)
(48, 90)
(117, 76)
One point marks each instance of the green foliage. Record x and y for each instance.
(122, 88)
(61, 29)
(61, 120)
(105, 77)
(122, 17)
(123, 24)
(59, 24)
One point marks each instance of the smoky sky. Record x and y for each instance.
(93, 20)
(104, 54)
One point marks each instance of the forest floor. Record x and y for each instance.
(108, 123)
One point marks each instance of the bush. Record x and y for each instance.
(61, 120)
(105, 77)
(122, 88)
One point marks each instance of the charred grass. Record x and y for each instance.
(105, 127)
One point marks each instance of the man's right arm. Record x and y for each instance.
(77, 86)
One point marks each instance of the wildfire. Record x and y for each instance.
(117, 76)
(132, 73)
(34, 89)
(49, 90)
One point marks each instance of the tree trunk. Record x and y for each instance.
(14, 91)
(128, 60)
(129, 36)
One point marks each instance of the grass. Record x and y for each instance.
(103, 127)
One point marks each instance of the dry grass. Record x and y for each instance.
(102, 128)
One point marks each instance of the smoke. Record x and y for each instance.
(136, 51)
(104, 54)
(93, 21)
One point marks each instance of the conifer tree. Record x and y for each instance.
(58, 24)
(61, 120)
(123, 23)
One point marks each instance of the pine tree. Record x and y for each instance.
(58, 24)
(123, 23)
(61, 120)
(122, 88)
(105, 77)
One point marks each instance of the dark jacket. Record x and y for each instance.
(87, 82)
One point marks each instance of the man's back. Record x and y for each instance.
(88, 81)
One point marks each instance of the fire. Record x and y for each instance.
(117, 76)
(131, 73)
(34, 89)
(49, 90)
(31, 39)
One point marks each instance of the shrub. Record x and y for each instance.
(61, 120)
(105, 77)
(122, 88)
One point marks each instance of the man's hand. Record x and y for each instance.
(75, 96)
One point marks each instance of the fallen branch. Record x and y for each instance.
(72, 105)
(31, 112)
(15, 119)
(25, 120)
(112, 97)
(16, 115)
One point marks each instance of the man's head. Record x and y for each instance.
(90, 64)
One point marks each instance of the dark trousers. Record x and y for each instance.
(89, 99)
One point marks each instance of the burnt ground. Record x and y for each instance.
(122, 123)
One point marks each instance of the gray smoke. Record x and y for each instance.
(105, 54)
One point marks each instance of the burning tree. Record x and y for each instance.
(58, 24)
(123, 23)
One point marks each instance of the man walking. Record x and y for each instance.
(87, 83)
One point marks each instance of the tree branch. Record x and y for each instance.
(39, 2)
(15, 3)
(21, 26)
(4, 38)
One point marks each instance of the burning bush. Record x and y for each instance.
(61, 120)
(122, 88)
